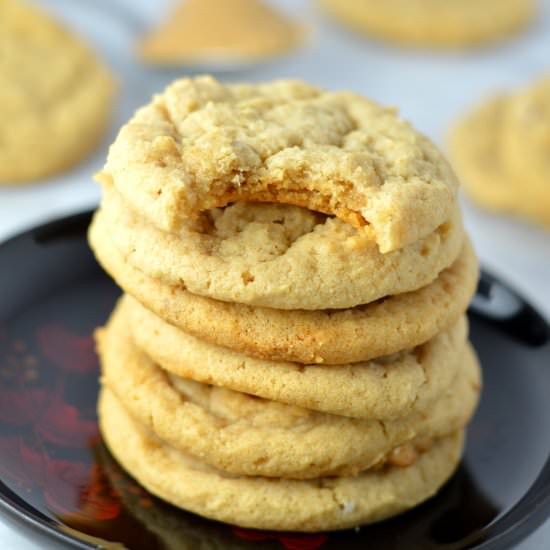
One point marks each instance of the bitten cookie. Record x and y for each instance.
(277, 255)
(501, 152)
(202, 144)
(332, 336)
(274, 504)
(438, 23)
(55, 96)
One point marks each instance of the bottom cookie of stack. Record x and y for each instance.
(271, 503)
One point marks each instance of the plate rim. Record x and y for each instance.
(533, 507)
(32, 521)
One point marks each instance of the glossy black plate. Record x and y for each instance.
(60, 484)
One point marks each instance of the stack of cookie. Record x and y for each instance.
(291, 352)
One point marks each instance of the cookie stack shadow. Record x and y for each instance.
(269, 367)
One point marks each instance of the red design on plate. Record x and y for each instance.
(65, 483)
(81, 492)
(24, 469)
(55, 421)
(66, 350)
(47, 426)
(62, 424)
(20, 408)
(289, 541)
(70, 488)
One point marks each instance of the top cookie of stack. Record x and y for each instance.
(304, 247)
(202, 145)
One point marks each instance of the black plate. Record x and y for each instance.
(60, 483)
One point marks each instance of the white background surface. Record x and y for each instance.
(432, 89)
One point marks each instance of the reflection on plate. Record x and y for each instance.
(59, 479)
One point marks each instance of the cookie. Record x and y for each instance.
(241, 434)
(475, 150)
(56, 97)
(220, 32)
(500, 151)
(331, 336)
(384, 388)
(526, 146)
(438, 23)
(267, 503)
(202, 144)
(278, 256)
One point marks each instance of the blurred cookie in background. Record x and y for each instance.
(204, 32)
(56, 97)
(437, 23)
(502, 152)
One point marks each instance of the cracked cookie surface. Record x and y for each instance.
(202, 144)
